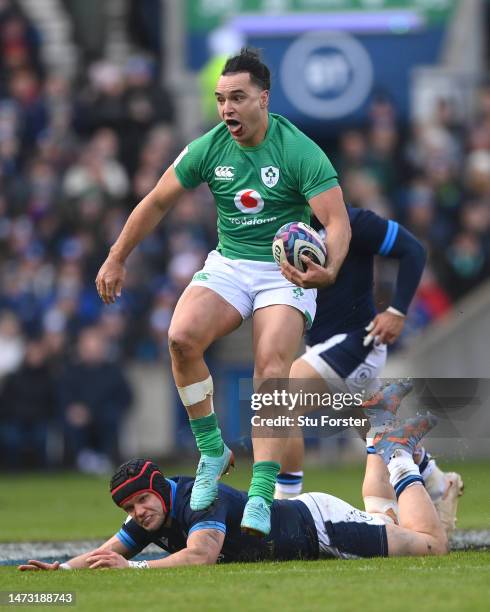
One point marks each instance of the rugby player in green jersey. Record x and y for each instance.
(263, 172)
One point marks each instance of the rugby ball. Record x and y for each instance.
(295, 239)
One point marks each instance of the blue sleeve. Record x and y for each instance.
(211, 518)
(373, 235)
(134, 537)
(369, 231)
(412, 256)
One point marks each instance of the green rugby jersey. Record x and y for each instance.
(256, 189)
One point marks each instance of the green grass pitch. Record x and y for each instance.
(67, 506)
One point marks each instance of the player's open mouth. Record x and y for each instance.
(234, 126)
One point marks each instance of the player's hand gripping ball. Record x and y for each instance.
(295, 239)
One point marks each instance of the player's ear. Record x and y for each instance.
(264, 98)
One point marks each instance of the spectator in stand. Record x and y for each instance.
(19, 40)
(95, 396)
(475, 218)
(352, 152)
(98, 171)
(28, 410)
(382, 155)
(12, 344)
(364, 191)
(25, 90)
(430, 303)
(464, 264)
(146, 104)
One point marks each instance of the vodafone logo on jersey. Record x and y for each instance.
(249, 201)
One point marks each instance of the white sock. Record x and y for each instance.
(289, 483)
(403, 471)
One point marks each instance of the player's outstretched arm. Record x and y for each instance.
(81, 561)
(203, 548)
(387, 326)
(144, 218)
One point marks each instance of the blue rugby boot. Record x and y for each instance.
(382, 407)
(256, 518)
(209, 471)
(405, 437)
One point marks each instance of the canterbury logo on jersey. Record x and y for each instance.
(224, 173)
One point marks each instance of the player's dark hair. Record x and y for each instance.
(248, 60)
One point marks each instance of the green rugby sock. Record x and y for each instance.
(208, 435)
(264, 480)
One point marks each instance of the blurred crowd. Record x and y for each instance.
(435, 179)
(77, 155)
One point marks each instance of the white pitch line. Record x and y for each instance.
(22, 551)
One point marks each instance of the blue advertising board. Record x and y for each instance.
(326, 80)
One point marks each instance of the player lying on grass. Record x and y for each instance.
(444, 488)
(311, 526)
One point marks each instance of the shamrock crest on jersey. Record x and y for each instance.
(269, 175)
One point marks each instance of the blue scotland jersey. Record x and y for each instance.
(348, 305)
(293, 534)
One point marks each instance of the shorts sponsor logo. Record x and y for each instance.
(269, 175)
(201, 276)
(357, 516)
(249, 201)
(298, 293)
(224, 173)
(364, 374)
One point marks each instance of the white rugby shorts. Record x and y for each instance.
(344, 531)
(249, 285)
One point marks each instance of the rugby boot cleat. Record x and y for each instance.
(447, 505)
(382, 407)
(404, 437)
(256, 518)
(209, 471)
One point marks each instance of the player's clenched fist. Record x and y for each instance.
(110, 280)
(315, 276)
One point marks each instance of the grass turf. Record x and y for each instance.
(457, 582)
(72, 506)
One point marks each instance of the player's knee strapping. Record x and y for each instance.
(382, 507)
(197, 392)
